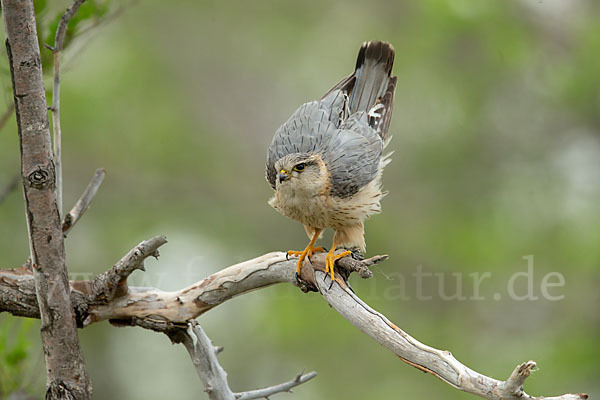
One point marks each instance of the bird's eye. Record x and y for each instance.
(299, 167)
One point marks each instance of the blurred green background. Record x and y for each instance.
(496, 157)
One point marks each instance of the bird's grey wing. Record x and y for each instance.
(352, 154)
(349, 146)
(305, 132)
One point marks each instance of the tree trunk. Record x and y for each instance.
(65, 368)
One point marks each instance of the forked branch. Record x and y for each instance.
(113, 283)
(174, 310)
(204, 357)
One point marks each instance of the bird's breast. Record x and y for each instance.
(308, 208)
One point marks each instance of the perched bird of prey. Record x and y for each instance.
(325, 163)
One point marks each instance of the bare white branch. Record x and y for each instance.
(204, 358)
(179, 307)
(514, 383)
(84, 201)
(113, 283)
(271, 390)
(440, 363)
(272, 268)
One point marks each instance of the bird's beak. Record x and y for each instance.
(283, 175)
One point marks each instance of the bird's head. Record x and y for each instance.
(301, 172)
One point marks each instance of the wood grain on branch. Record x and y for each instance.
(65, 369)
(158, 309)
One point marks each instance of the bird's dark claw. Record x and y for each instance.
(325, 280)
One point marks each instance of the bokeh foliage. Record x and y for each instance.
(15, 348)
(496, 157)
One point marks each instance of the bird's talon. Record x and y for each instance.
(307, 252)
(331, 258)
(294, 253)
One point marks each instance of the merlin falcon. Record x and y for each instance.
(325, 163)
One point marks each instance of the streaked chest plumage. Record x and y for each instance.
(309, 208)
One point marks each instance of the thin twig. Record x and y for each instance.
(59, 39)
(84, 201)
(57, 136)
(56, 50)
(271, 390)
(204, 357)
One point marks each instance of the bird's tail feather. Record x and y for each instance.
(373, 71)
(371, 87)
(374, 87)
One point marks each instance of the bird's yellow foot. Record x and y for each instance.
(330, 260)
(307, 252)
